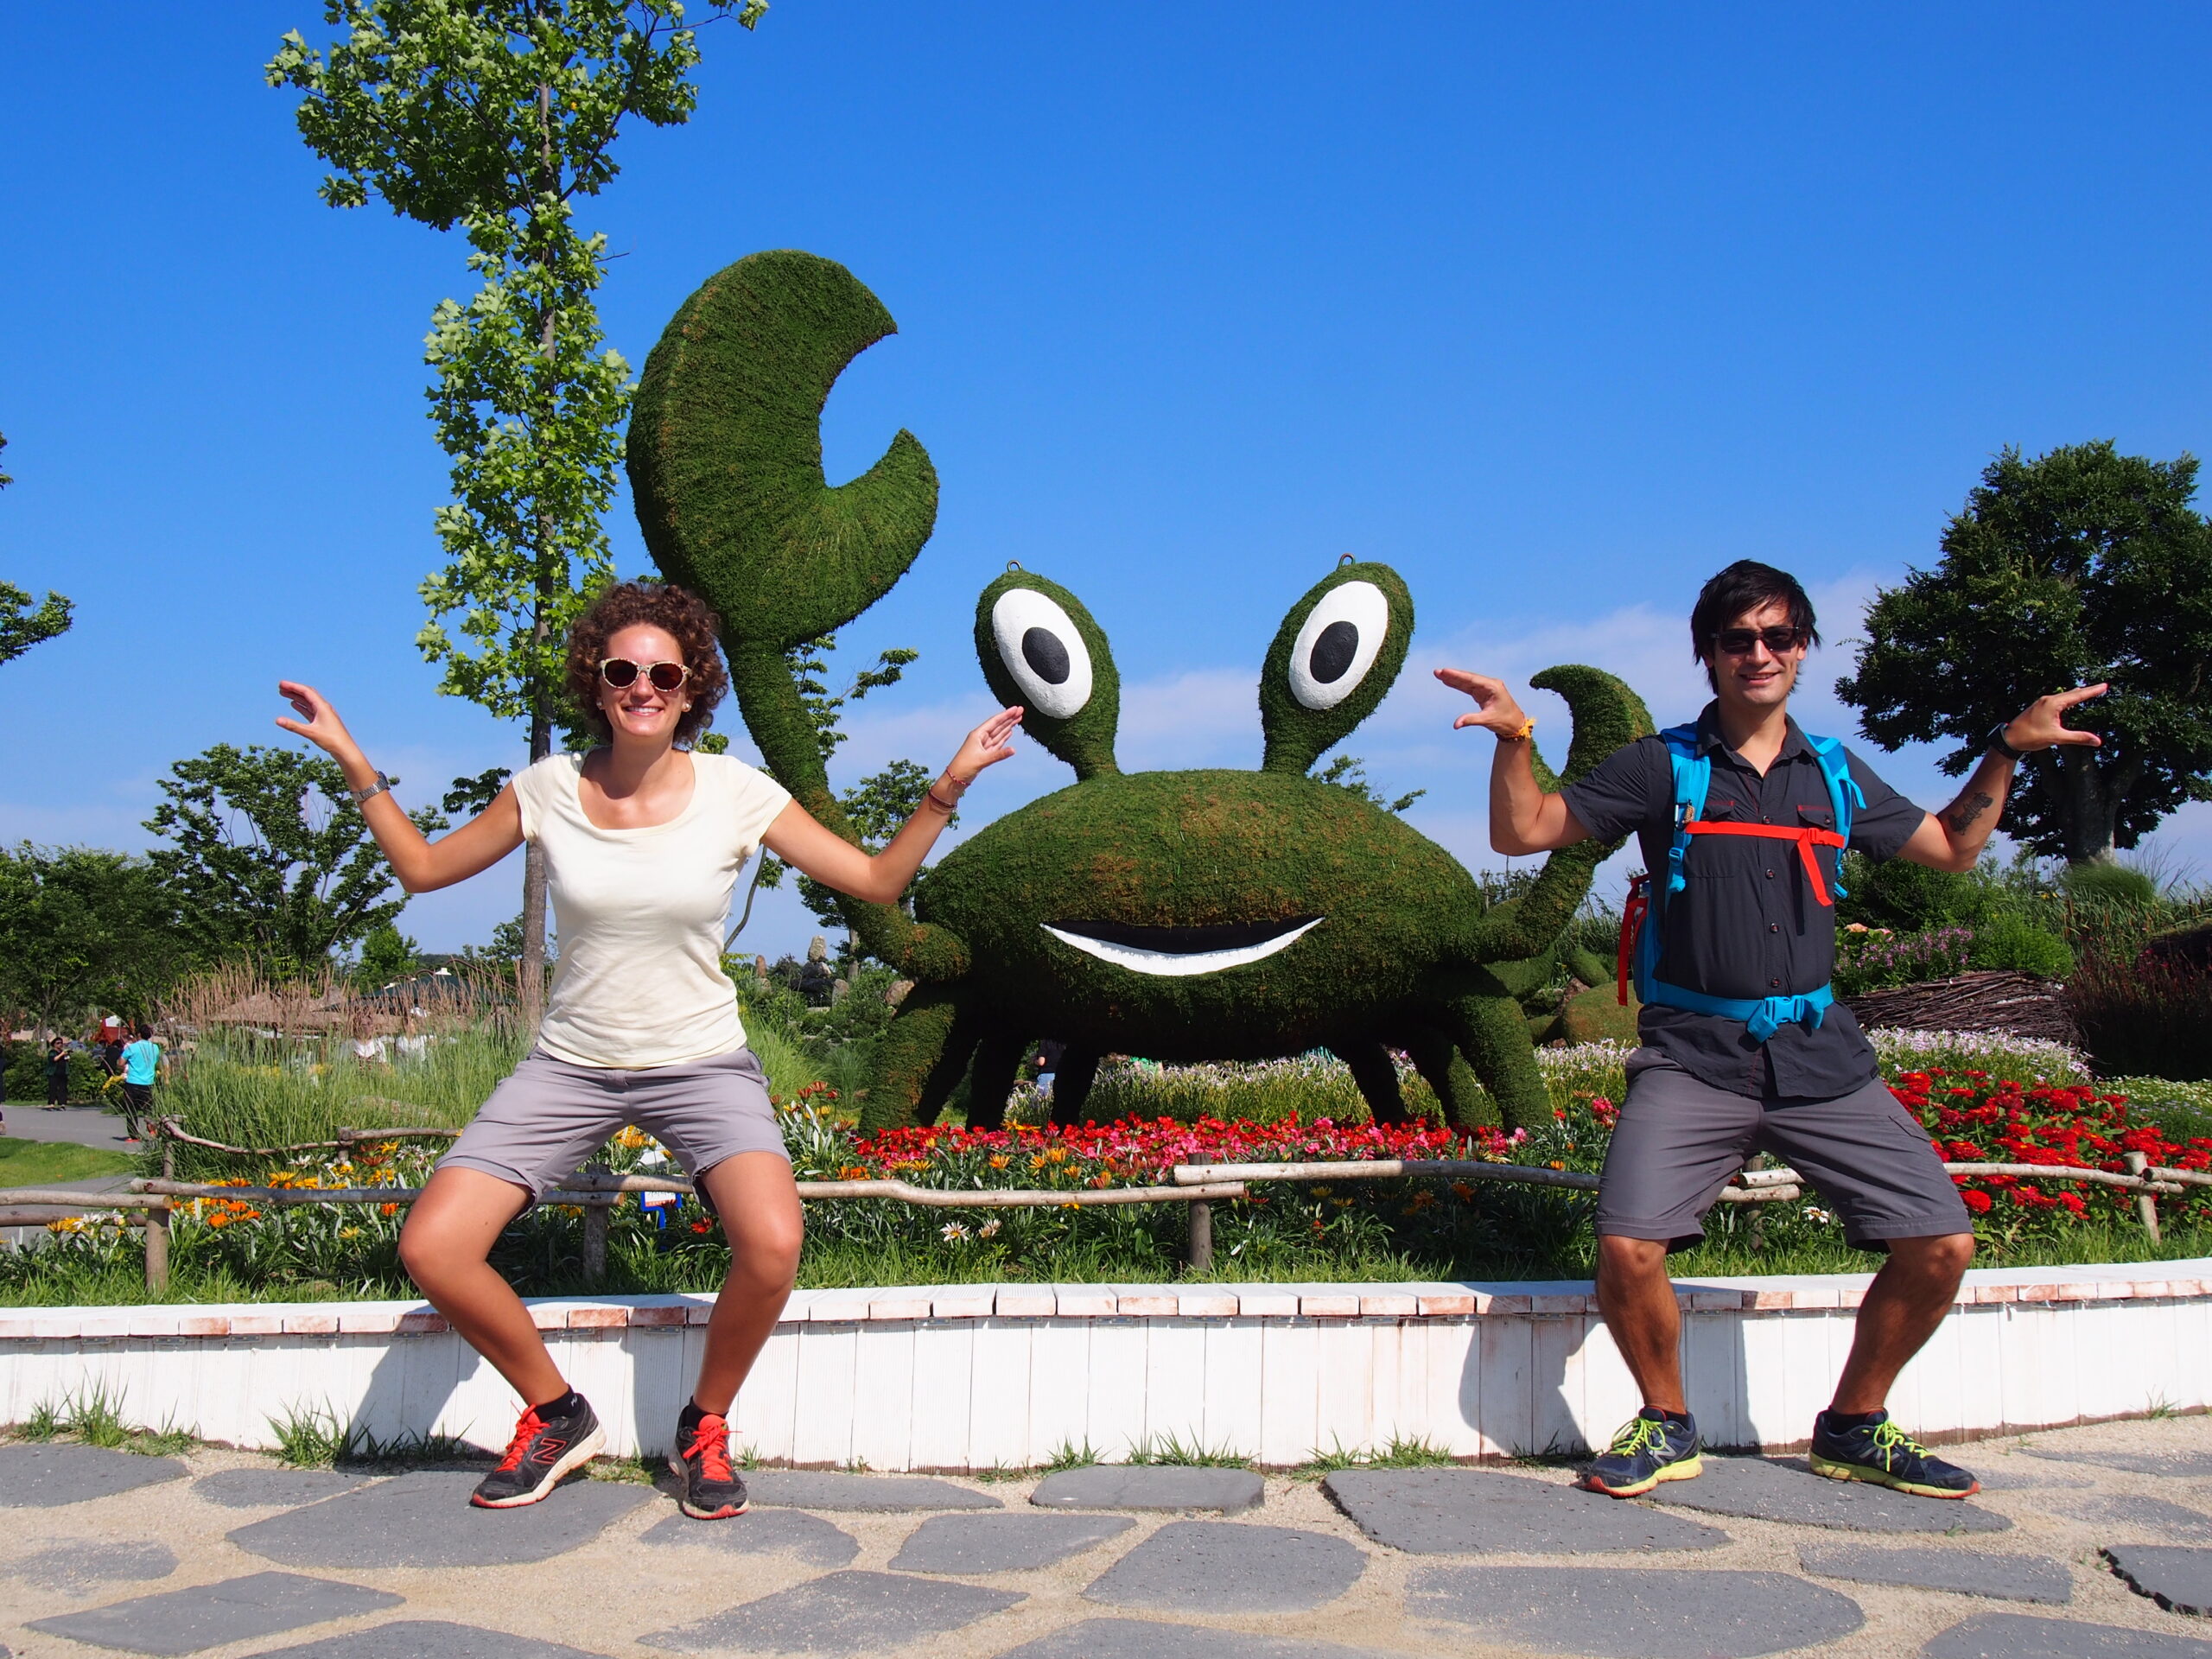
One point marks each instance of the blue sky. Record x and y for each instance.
(1557, 310)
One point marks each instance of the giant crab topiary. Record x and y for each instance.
(1185, 916)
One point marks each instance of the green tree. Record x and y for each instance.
(2079, 566)
(1346, 772)
(267, 856)
(83, 929)
(495, 115)
(22, 625)
(387, 955)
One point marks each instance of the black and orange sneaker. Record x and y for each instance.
(549, 1441)
(712, 1490)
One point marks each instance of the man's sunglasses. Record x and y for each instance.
(1738, 642)
(621, 673)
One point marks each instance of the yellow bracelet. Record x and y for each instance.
(1521, 736)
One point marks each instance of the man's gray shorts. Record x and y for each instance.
(1680, 1140)
(540, 1125)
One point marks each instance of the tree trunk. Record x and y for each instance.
(532, 969)
(530, 972)
(2090, 811)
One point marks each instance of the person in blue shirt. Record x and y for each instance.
(141, 1064)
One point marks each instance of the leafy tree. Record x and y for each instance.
(21, 626)
(83, 929)
(269, 856)
(386, 955)
(495, 115)
(2079, 566)
(1347, 772)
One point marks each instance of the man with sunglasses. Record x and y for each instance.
(1743, 1048)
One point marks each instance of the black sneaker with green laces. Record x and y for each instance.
(1650, 1447)
(1872, 1448)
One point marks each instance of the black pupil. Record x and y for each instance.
(1047, 658)
(1333, 652)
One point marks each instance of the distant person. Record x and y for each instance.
(57, 1072)
(644, 839)
(142, 1064)
(413, 1043)
(1743, 822)
(108, 1043)
(369, 1049)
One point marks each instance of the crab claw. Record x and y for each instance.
(724, 454)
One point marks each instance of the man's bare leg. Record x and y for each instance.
(1636, 1300)
(1907, 1299)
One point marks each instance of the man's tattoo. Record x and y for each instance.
(1959, 817)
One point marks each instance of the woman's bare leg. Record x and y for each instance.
(445, 1247)
(755, 1196)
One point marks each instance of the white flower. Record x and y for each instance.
(952, 1232)
(989, 1229)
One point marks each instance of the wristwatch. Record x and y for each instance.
(362, 796)
(1996, 742)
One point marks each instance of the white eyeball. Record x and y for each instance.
(1043, 649)
(1338, 644)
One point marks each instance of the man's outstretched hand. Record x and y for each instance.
(1495, 709)
(2042, 725)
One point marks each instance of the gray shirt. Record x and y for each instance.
(1748, 925)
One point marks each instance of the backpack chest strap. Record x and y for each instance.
(1807, 839)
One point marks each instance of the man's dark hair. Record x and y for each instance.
(1745, 586)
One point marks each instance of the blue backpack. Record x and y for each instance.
(1639, 946)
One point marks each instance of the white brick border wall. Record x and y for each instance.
(974, 1376)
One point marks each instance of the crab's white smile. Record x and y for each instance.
(1181, 953)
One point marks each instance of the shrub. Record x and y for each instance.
(26, 1074)
(1873, 958)
(2110, 883)
(2010, 940)
(1907, 898)
(2144, 1016)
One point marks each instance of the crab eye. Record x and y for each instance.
(1043, 649)
(1338, 644)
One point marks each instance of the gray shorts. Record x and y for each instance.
(548, 1116)
(1680, 1140)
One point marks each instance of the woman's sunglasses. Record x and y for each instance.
(1738, 642)
(621, 673)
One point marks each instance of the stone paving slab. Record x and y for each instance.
(1618, 1612)
(1964, 1572)
(820, 1489)
(2177, 1579)
(844, 1612)
(1150, 1487)
(76, 1566)
(1480, 1512)
(2176, 1465)
(2008, 1475)
(1230, 1566)
(210, 1615)
(1783, 1489)
(42, 1477)
(427, 1638)
(274, 1488)
(1137, 1638)
(1003, 1543)
(426, 1520)
(2023, 1635)
(2135, 1509)
(795, 1533)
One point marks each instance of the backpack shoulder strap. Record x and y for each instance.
(1843, 790)
(1692, 777)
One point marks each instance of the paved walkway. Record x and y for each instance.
(2091, 1542)
(87, 1126)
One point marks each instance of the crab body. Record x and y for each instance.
(1181, 915)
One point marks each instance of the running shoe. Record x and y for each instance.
(1882, 1453)
(543, 1451)
(1650, 1447)
(712, 1489)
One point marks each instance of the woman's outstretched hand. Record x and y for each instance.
(1495, 709)
(318, 722)
(986, 746)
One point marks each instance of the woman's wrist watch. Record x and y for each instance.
(363, 797)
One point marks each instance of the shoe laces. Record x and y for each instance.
(710, 1445)
(1889, 1440)
(1640, 1433)
(526, 1432)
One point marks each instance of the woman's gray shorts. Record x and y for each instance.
(540, 1125)
(1680, 1140)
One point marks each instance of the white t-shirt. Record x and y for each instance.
(642, 915)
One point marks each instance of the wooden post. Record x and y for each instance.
(595, 1210)
(2146, 1203)
(1200, 1254)
(345, 1138)
(155, 1222)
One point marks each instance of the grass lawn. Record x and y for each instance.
(35, 1163)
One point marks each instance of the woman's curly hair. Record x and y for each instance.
(676, 611)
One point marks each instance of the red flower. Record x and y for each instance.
(1976, 1203)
